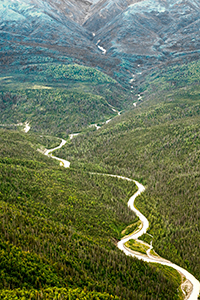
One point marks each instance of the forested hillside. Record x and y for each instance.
(157, 143)
(59, 228)
(58, 99)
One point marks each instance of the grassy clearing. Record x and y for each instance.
(137, 246)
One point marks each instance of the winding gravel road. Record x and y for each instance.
(193, 295)
(193, 282)
(64, 163)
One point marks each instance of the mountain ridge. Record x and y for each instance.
(135, 35)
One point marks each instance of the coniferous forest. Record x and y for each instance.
(59, 229)
(119, 81)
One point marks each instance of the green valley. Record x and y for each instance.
(99, 149)
(59, 228)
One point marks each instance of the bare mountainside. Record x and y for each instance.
(153, 30)
(122, 38)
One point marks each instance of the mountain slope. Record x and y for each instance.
(38, 24)
(30, 30)
(153, 32)
(103, 11)
(137, 35)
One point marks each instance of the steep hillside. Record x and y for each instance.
(151, 33)
(31, 31)
(103, 11)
